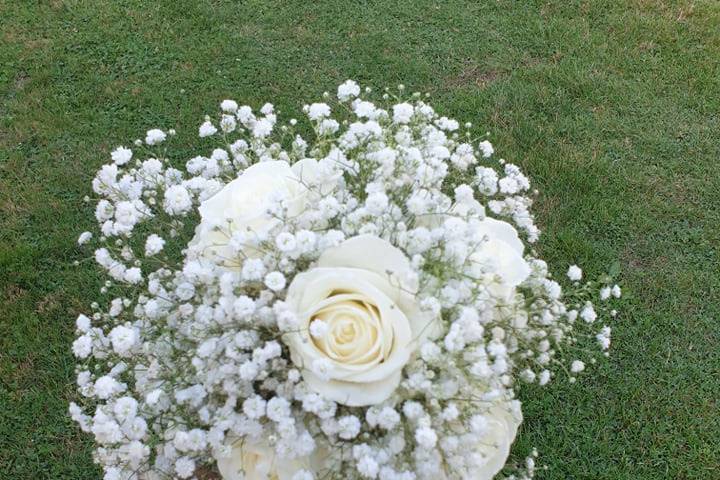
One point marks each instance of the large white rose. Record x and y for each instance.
(241, 206)
(258, 461)
(364, 292)
(502, 254)
(503, 423)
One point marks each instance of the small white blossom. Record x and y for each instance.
(121, 155)
(278, 409)
(286, 242)
(262, 128)
(605, 293)
(123, 339)
(133, 275)
(154, 245)
(603, 338)
(82, 346)
(368, 467)
(267, 109)
(184, 467)
(275, 281)
(577, 366)
(412, 410)
(106, 386)
(177, 200)
(486, 148)
(82, 323)
(388, 418)
(84, 238)
(349, 427)
(155, 136)
(318, 111)
(125, 408)
(254, 407)
(229, 106)
(348, 90)
(574, 273)
(588, 313)
(318, 328)
(207, 129)
(243, 306)
(426, 437)
(253, 269)
(249, 370)
(228, 124)
(402, 112)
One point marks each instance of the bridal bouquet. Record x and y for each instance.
(353, 296)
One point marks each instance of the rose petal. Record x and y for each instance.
(354, 394)
(367, 252)
(502, 231)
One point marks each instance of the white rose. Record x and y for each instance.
(258, 461)
(503, 423)
(242, 206)
(503, 420)
(502, 255)
(363, 290)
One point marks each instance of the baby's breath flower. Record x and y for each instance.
(84, 238)
(155, 136)
(577, 366)
(486, 148)
(229, 106)
(574, 273)
(348, 90)
(154, 245)
(121, 155)
(275, 281)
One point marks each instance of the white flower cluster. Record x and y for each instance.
(359, 305)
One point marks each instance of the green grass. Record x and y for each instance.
(612, 107)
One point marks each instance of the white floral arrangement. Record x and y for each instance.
(362, 305)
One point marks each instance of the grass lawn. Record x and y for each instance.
(612, 107)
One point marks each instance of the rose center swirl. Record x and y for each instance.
(355, 334)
